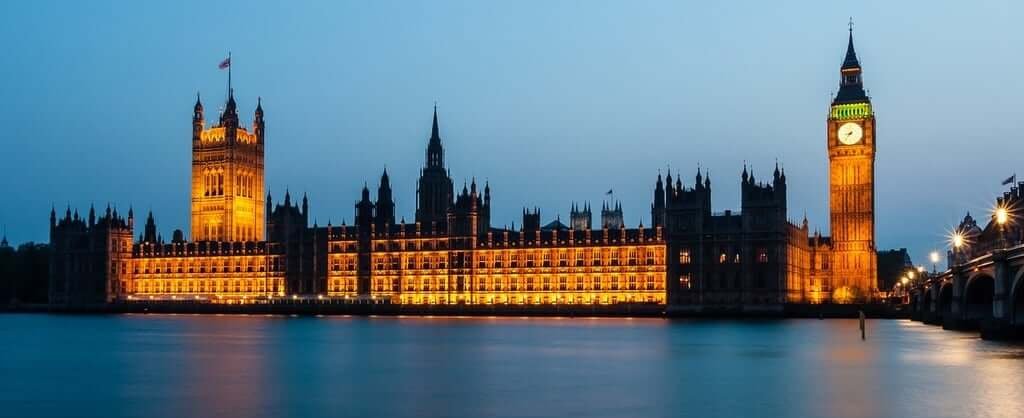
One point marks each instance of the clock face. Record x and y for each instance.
(850, 133)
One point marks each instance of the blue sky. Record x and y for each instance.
(551, 101)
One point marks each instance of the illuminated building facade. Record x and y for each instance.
(245, 249)
(849, 256)
(227, 176)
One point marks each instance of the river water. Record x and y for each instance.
(275, 366)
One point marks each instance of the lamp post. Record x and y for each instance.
(934, 257)
(1002, 217)
(958, 242)
(905, 280)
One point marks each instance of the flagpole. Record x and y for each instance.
(229, 73)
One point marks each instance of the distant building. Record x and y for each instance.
(892, 265)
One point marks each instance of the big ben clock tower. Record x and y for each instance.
(851, 155)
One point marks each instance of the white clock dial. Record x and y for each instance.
(850, 133)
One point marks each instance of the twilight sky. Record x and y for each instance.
(550, 101)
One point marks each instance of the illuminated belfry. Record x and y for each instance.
(227, 176)
(851, 154)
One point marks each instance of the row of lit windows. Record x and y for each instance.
(580, 258)
(515, 284)
(530, 299)
(190, 286)
(227, 265)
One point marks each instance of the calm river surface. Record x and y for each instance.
(257, 366)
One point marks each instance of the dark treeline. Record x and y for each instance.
(24, 273)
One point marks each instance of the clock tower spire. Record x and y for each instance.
(851, 153)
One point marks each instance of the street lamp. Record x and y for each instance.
(1002, 215)
(934, 256)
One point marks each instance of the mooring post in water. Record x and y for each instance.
(860, 314)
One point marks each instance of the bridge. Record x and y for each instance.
(983, 287)
(985, 293)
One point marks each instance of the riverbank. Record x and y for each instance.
(617, 310)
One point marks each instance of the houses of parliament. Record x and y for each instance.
(244, 246)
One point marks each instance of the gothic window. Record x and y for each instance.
(762, 255)
(563, 283)
(632, 282)
(721, 258)
(684, 256)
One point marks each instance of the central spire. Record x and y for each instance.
(434, 135)
(851, 60)
(435, 152)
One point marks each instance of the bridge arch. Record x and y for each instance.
(978, 297)
(1017, 301)
(929, 301)
(945, 301)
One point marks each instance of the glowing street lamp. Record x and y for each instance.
(905, 280)
(934, 257)
(1002, 215)
(958, 240)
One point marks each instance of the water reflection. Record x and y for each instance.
(255, 366)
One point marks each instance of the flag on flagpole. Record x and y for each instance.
(1010, 180)
(609, 192)
(225, 64)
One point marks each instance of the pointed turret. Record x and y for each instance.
(385, 202)
(658, 207)
(92, 215)
(230, 116)
(150, 234)
(851, 60)
(435, 152)
(258, 126)
(851, 86)
(305, 204)
(198, 121)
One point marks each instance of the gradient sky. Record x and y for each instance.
(550, 101)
